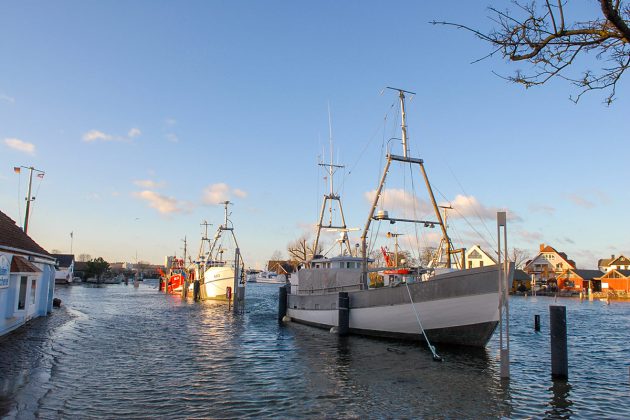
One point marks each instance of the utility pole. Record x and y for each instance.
(28, 196)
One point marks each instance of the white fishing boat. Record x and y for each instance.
(448, 304)
(220, 268)
(270, 277)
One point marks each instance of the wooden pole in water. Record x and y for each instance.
(558, 330)
(344, 314)
(236, 294)
(537, 322)
(504, 313)
(282, 303)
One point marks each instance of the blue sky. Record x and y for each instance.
(143, 114)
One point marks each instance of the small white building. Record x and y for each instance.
(65, 268)
(614, 263)
(27, 277)
(477, 257)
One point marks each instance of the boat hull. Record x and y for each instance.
(460, 308)
(215, 282)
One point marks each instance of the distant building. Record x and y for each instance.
(614, 281)
(27, 277)
(521, 281)
(576, 280)
(64, 272)
(477, 257)
(614, 263)
(545, 267)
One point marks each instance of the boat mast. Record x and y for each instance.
(331, 168)
(404, 159)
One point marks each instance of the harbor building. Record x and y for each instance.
(547, 265)
(65, 268)
(575, 280)
(477, 257)
(614, 281)
(27, 277)
(614, 263)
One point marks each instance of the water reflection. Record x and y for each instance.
(560, 404)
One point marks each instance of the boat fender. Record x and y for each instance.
(334, 330)
(286, 318)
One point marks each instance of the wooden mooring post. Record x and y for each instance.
(558, 331)
(282, 303)
(536, 322)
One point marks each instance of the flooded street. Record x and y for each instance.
(120, 352)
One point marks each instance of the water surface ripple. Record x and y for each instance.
(120, 352)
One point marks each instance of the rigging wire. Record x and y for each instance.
(474, 208)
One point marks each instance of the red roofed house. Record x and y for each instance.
(615, 281)
(27, 277)
(545, 267)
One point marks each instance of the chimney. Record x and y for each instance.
(542, 246)
(612, 256)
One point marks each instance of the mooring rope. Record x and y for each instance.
(436, 356)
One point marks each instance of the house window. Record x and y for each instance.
(480, 263)
(33, 290)
(22, 293)
(470, 264)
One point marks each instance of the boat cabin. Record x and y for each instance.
(342, 261)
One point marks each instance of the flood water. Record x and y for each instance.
(120, 352)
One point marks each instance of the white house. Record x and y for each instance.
(27, 277)
(477, 257)
(65, 268)
(614, 263)
(548, 265)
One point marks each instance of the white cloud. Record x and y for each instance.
(7, 98)
(147, 183)
(163, 204)
(468, 206)
(172, 138)
(529, 236)
(170, 122)
(580, 201)
(542, 208)
(134, 132)
(239, 193)
(401, 201)
(95, 135)
(20, 145)
(217, 193)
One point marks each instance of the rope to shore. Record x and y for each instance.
(436, 356)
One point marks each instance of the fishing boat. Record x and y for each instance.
(175, 276)
(270, 277)
(443, 302)
(219, 268)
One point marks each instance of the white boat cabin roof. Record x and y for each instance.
(341, 261)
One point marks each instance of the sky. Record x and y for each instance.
(144, 115)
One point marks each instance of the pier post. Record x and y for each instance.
(282, 303)
(344, 313)
(558, 330)
(536, 322)
(197, 290)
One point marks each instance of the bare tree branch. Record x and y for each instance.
(540, 36)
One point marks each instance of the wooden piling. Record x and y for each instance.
(536, 322)
(558, 331)
(197, 290)
(282, 302)
(344, 313)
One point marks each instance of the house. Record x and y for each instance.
(65, 268)
(477, 257)
(27, 277)
(613, 281)
(614, 263)
(547, 265)
(521, 281)
(575, 280)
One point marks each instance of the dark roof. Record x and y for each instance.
(520, 275)
(80, 266)
(13, 236)
(624, 272)
(588, 274)
(64, 260)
